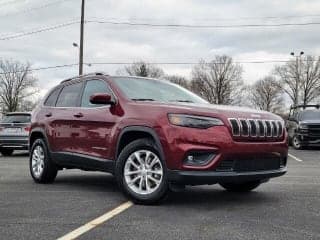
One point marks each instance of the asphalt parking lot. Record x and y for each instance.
(284, 208)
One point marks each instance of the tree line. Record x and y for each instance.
(219, 81)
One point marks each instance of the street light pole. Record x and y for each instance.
(81, 39)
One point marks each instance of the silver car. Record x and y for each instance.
(14, 132)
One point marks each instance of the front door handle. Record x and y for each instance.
(78, 115)
(48, 114)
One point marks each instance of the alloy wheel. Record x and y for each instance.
(37, 161)
(143, 172)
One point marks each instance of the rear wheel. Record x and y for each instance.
(141, 173)
(6, 152)
(42, 168)
(240, 187)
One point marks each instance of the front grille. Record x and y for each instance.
(249, 165)
(314, 130)
(256, 128)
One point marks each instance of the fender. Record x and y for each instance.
(144, 129)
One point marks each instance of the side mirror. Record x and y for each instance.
(101, 98)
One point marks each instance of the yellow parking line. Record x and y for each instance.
(96, 222)
(295, 158)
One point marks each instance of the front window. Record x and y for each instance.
(16, 118)
(310, 115)
(144, 89)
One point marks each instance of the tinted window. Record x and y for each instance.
(310, 115)
(69, 95)
(52, 99)
(16, 118)
(92, 87)
(143, 89)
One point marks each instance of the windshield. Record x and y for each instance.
(310, 115)
(144, 89)
(16, 118)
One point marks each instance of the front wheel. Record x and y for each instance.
(141, 172)
(42, 168)
(240, 187)
(296, 143)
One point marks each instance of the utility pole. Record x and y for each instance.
(298, 73)
(81, 39)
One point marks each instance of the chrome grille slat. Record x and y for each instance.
(254, 128)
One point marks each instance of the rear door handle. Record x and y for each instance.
(78, 115)
(48, 114)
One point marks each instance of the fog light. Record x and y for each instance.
(199, 158)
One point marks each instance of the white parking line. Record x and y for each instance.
(295, 158)
(96, 222)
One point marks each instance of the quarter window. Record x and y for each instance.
(69, 95)
(92, 87)
(52, 99)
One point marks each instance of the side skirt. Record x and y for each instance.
(82, 161)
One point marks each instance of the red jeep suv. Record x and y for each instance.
(153, 136)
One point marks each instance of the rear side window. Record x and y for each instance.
(92, 87)
(52, 99)
(16, 118)
(69, 95)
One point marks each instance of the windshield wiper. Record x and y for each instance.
(178, 100)
(142, 99)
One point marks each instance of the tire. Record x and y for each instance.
(6, 152)
(240, 187)
(145, 181)
(42, 168)
(296, 143)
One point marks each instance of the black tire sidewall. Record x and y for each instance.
(49, 170)
(141, 144)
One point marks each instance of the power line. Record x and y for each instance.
(43, 68)
(44, 29)
(34, 8)
(201, 26)
(9, 2)
(153, 63)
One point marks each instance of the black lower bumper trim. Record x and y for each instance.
(211, 177)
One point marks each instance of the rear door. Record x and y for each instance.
(64, 118)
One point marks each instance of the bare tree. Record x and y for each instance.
(142, 69)
(16, 85)
(310, 79)
(266, 94)
(218, 81)
(180, 80)
(300, 78)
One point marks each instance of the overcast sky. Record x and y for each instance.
(118, 43)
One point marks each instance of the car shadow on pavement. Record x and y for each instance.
(98, 182)
(215, 197)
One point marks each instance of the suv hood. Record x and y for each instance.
(218, 110)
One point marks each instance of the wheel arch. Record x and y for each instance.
(131, 133)
(36, 134)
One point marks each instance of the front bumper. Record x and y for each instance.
(306, 139)
(212, 177)
(14, 142)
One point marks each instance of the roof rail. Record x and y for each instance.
(85, 75)
(305, 106)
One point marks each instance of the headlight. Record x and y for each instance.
(193, 121)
